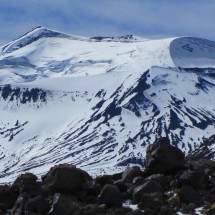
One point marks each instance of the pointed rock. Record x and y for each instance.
(163, 158)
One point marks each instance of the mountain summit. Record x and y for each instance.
(98, 102)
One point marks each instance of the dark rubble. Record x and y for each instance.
(169, 184)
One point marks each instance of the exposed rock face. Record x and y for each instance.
(163, 158)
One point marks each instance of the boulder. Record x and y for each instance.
(151, 200)
(160, 178)
(117, 176)
(130, 173)
(38, 205)
(110, 195)
(163, 158)
(103, 180)
(149, 211)
(66, 178)
(62, 204)
(189, 195)
(138, 181)
(193, 178)
(7, 198)
(121, 185)
(27, 183)
(146, 188)
(25, 178)
(19, 207)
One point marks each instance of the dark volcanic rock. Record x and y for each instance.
(62, 204)
(189, 195)
(38, 205)
(130, 173)
(160, 178)
(193, 178)
(27, 183)
(163, 158)
(110, 195)
(7, 198)
(151, 200)
(149, 211)
(19, 207)
(138, 180)
(121, 185)
(146, 188)
(23, 179)
(103, 180)
(65, 178)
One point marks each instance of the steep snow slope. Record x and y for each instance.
(98, 102)
(191, 52)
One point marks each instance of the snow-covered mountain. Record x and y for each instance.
(98, 102)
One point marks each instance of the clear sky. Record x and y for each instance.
(149, 18)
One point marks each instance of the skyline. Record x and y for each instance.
(109, 18)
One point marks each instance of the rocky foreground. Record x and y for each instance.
(168, 184)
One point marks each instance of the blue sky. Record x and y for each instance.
(149, 18)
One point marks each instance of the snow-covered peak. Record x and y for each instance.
(42, 32)
(30, 37)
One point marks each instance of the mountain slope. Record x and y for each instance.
(98, 102)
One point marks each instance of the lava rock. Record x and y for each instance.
(38, 205)
(138, 181)
(7, 198)
(20, 206)
(151, 200)
(130, 173)
(149, 211)
(189, 195)
(201, 165)
(27, 183)
(117, 176)
(23, 179)
(160, 178)
(148, 187)
(94, 189)
(103, 180)
(110, 195)
(66, 178)
(163, 158)
(166, 210)
(194, 178)
(62, 204)
(121, 185)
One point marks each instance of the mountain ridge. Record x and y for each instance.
(98, 104)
